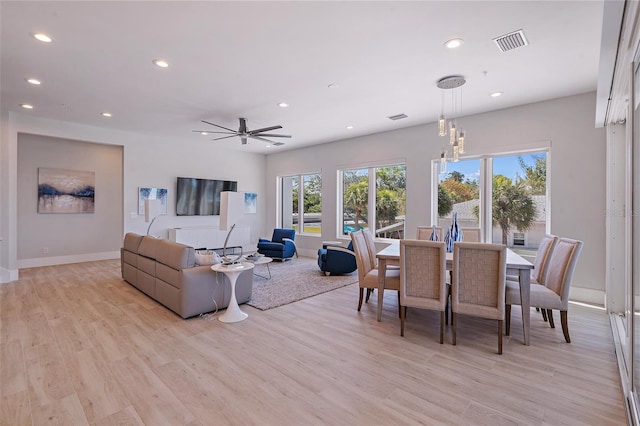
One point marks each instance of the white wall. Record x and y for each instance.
(148, 162)
(43, 235)
(576, 174)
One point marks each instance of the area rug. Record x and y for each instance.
(293, 280)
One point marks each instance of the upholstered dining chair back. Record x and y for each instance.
(471, 235)
(367, 274)
(479, 273)
(541, 263)
(363, 259)
(423, 278)
(424, 233)
(560, 270)
(371, 247)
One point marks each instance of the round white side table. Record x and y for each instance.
(233, 312)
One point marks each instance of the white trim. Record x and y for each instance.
(587, 295)
(61, 260)
(8, 275)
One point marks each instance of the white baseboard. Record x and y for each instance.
(62, 260)
(587, 295)
(8, 275)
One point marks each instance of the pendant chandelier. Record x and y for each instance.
(450, 126)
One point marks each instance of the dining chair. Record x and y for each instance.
(540, 264)
(554, 294)
(367, 274)
(471, 235)
(371, 247)
(479, 272)
(424, 233)
(423, 284)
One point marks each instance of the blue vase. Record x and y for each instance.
(453, 233)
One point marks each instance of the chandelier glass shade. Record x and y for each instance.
(456, 134)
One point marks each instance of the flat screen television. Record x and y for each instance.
(197, 197)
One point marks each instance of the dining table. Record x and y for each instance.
(516, 266)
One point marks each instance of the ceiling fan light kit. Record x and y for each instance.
(244, 133)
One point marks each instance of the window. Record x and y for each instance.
(305, 198)
(383, 213)
(517, 208)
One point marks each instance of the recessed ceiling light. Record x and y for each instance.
(349, 127)
(268, 146)
(333, 86)
(106, 114)
(26, 106)
(204, 133)
(453, 43)
(161, 63)
(43, 37)
(283, 104)
(33, 81)
(495, 94)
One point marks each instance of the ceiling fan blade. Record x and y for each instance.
(209, 131)
(224, 137)
(244, 139)
(231, 130)
(243, 126)
(261, 139)
(275, 136)
(264, 129)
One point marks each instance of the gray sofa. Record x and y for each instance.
(166, 271)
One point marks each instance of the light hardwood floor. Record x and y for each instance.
(80, 346)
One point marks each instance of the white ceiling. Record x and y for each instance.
(240, 59)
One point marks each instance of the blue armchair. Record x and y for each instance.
(281, 245)
(337, 259)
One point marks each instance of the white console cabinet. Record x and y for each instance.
(210, 237)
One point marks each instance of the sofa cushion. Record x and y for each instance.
(132, 242)
(149, 246)
(175, 255)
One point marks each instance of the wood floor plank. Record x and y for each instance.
(80, 346)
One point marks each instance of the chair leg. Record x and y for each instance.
(405, 308)
(366, 300)
(565, 326)
(500, 325)
(403, 314)
(442, 318)
(550, 318)
(544, 314)
(454, 321)
(507, 316)
(360, 299)
(447, 305)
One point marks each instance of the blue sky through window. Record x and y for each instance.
(507, 166)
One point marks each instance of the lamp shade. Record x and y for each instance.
(152, 209)
(231, 208)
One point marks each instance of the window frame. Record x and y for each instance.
(299, 227)
(485, 185)
(371, 201)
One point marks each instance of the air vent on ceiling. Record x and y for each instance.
(277, 143)
(397, 117)
(511, 41)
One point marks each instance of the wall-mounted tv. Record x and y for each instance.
(201, 196)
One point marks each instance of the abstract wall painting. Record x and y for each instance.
(250, 202)
(152, 194)
(66, 191)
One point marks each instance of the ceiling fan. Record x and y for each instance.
(245, 133)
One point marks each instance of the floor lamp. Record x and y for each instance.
(152, 209)
(231, 210)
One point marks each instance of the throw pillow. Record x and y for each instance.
(205, 257)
